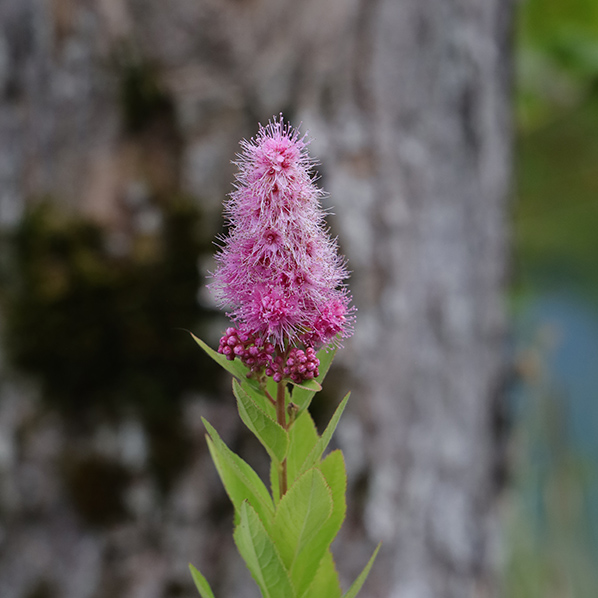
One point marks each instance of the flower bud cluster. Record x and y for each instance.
(254, 352)
(259, 356)
(302, 365)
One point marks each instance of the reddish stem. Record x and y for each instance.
(281, 418)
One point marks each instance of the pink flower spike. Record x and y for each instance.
(279, 274)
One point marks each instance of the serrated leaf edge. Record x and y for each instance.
(244, 517)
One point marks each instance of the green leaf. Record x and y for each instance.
(331, 427)
(301, 513)
(260, 555)
(201, 583)
(325, 355)
(325, 583)
(335, 474)
(302, 395)
(272, 435)
(240, 481)
(354, 589)
(310, 385)
(235, 367)
(303, 437)
(259, 397)
(324, 440)
(333, 470)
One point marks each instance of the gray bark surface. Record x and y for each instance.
(408, 106)
(425, 173)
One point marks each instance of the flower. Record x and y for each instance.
(279, 274)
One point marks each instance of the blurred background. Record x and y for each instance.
(553, 517)
(459, 147)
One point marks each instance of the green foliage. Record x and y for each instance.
(548, 525)
(201, 583)
(322, 444)
(557, 217)
(299, 515)
(326, 579)
(284, 540)
(358, 583)
(318, 530)
(557, 58)
(235, 367)
(556, 214)
(240, 481)
(271, 434)
(303, 437)
(333, 470)
(260, 554)
(550, 550)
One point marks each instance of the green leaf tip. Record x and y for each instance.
(201, 583)
(235, 367)
(358, 583)
(240, 481)
(324, 440)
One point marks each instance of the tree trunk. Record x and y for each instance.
(420, 172)
(408, 105)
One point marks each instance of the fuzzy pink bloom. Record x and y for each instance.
(279, 274)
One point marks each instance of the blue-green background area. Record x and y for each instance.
(552, 521)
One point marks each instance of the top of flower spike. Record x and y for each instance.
(279, 274)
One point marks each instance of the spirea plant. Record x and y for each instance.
(281, 280)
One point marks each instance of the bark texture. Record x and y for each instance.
(429, 244)
(408, 105)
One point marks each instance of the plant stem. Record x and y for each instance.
(281, 418)
(269, 397)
